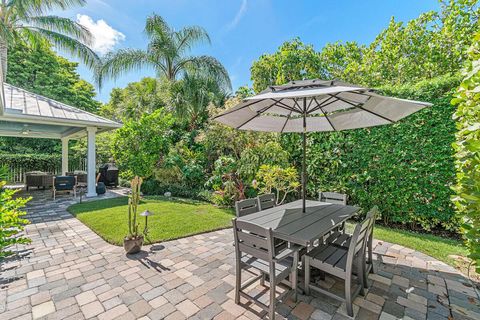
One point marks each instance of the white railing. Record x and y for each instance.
(17, 172)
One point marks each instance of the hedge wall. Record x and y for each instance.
(21, 163)
(406, 168)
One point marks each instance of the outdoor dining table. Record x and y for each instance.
(289, 223)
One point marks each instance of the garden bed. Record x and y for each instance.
(172, 218)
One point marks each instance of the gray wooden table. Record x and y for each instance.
(289, 222)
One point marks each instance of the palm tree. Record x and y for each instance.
(168, 53)
(192, 94)
(25, 21)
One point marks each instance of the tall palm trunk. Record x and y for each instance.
(3, 59)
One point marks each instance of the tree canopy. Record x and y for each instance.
(431, 45)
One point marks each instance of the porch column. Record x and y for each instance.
(91, 169)
(64, 155)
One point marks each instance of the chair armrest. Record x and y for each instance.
(288, 252)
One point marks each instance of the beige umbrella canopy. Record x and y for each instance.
(316, 105)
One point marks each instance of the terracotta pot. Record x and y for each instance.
(133, 245)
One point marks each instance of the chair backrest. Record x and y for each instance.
(266, 201)
(254, 240)
(64, 182)
(247, 206)
(360, 235)
(333, 197)
(372, 216)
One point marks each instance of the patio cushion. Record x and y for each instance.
(64, 182)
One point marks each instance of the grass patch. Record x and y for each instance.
(172, 219)
(437, 247)
(177, 218)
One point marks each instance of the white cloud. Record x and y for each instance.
(105, 36)
(238, 16)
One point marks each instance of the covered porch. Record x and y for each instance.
(29, 115)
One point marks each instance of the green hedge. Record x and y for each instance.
(467, 153)
(406, 168)
(154, 187)
(37, 161)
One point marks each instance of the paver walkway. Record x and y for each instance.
(69, 272)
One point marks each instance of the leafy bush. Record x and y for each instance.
(11, 221)
(406, 169)
(274, 179)
(226, 182)
(467, 153)
(155, 187)
(137, 146)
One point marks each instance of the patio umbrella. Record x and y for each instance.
(316, 105)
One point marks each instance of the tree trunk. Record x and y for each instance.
(3, 58)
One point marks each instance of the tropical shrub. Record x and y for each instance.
(11, 220)
(274, 179)
(226, 183)
(140, 143)
(467, 152)
(253, 157)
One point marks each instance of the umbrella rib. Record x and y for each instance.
(231, 111)
(283, 105)
(325, 115)
(362, 108)
(324, 103)
(258, 113)
(288, 118)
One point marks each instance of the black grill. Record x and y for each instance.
(108, 174)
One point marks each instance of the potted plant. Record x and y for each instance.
(134, 240)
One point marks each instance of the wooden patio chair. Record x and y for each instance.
(255, 249)
(344, 239)
(266, 201)
(340, 262)
(335, 198)
(247, 206)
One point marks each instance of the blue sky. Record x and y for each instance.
(240, 30)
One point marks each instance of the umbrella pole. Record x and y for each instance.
(304, 146)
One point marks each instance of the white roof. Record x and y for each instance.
(48, 117)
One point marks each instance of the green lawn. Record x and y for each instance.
(434, 246)
(172, 219)
(177, 218)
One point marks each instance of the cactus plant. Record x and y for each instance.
(134, 240)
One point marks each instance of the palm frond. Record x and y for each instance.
(63, 25)
(26, 8)
(187, 37)
(63, 42)
(207, 66)
(157, 27)
(120, 62)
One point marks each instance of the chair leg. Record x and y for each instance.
(307, 274)
(361, 271)
(273, 296)
(348, 293)
(262, 280)
(238, 281)
(370, 253)
(294, 276)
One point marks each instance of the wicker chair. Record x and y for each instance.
(38, 179)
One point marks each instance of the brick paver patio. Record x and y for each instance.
(69, 272)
